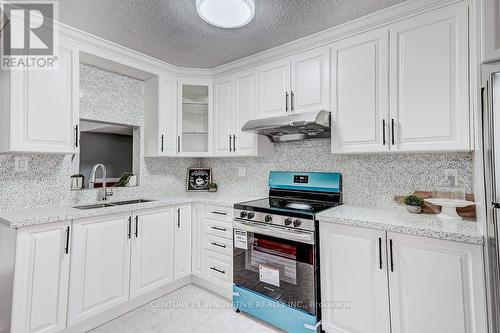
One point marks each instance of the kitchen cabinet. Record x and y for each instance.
(39, 117)
(296, 84)
(41, 278)
(194, 132)
(390, 273)
(491, 30)
(100, 265)
(197, 222)
(429, 83)
(182, 241)
(152, 256)
(360, 67)
(440, 281)
(235, 101)
(354, 270)
(160, 116)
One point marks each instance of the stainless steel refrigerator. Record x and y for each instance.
(491, 144)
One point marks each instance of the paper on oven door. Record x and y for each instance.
(240, 239)
(269, 275)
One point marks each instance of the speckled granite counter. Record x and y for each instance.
(399, 220)
(34, 216)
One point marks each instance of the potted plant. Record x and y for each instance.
(212, 187)
(414, 204)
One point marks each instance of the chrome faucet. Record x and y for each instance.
(92, 179)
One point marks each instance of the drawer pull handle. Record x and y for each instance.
(219, 229)
(219, 245)
(218, 270)
(219, 213)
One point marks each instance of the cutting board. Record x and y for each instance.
(465, 212)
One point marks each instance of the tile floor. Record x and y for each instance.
(189, 309)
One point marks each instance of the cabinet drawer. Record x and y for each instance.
(218, 228)
(219, 244)
(219, 213)
(219, 267)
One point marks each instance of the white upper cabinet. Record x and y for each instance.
(360, 93)
(40, 108)
(235, 103)
(297, 84)
(435, 286)
(310, 88)
(224, 116)
(194, 134)
(182, 242)
(152, 258)
(41, 279)
(274, 88)
(429, 84)
(354, 269)
(100, 266)
(491, 30)
(160, 116)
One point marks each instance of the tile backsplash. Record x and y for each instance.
(369, 180)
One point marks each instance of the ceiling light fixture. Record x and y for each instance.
(226, 13)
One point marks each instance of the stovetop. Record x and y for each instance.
(286, 206)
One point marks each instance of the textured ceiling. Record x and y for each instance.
(171, 30)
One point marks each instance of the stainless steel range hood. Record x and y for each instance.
(308, 125)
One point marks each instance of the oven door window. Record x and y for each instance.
(277, 268)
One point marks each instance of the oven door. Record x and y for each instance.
(277, 262)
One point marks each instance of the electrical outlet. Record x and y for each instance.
(451, 177)
(242, 171)
(21, 164)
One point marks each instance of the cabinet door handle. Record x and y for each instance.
(392, 260)
(218, 213)
(234, 142)
(230, 147)
(292, 101)
(219, 229)
(129, 233)
(162, 139)
(76, 136)
(218, 270)
(178, 218)
(286, 101)
(66, 248)
(136, 226)
(178, 144)
(380, 264)
(383, 132)
(219, 245)
(392, 132)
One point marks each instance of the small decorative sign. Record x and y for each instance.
(198, 179)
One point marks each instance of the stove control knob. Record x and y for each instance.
(288, 221)
(243, 214)
(297, 223)
(268, 218)
(250, 215)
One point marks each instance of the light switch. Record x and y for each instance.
(21, 164)
(242, 171)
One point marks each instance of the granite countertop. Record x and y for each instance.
(399, 220)
(34, 216)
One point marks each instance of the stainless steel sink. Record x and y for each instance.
(95, 206)
(113, 204)
(131, 202)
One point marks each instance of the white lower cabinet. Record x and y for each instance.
(422, 284)
(152, 258)
(182, 242)
(41, 279)
(100, 266)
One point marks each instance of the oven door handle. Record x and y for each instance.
(298, 236)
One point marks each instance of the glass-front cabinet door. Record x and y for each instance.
(195, 117)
